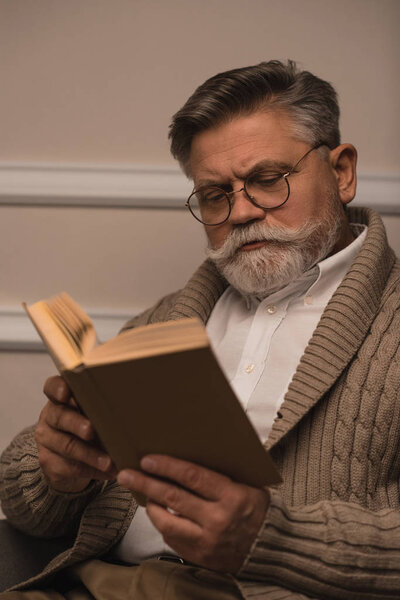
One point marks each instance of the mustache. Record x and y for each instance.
(260, 232)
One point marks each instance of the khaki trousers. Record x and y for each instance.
(151, 580)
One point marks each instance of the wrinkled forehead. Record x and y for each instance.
(234, 146)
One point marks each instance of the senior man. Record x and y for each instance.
(300, 295)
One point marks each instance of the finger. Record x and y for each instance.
(179, 533)
(60, 470)
(72, 448)
(57, 390)
(164, 493)
(64, 418)
(73, 402)
(204, 482)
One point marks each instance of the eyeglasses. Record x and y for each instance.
(211, 205)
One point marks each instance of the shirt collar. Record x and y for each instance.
(333, 269)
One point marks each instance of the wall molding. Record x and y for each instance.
(37, 184)
(17, 333)
(136, 186)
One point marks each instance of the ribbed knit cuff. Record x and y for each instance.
(28, 501)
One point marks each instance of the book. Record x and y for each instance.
(155, 389)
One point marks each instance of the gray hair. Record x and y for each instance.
(310, 101)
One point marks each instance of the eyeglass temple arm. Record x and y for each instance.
(303, 157)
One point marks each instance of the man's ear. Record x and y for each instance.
(344, 161)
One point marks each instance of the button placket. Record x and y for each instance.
(266, 319)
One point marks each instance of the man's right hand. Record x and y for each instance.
(69, 455)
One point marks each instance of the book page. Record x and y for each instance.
(78, 321)
(64, 354)
(150, 340)
(64, 327)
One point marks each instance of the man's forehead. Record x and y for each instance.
(241, 143)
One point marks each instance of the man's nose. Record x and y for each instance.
(243, 210)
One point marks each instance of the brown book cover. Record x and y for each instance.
(161, 394)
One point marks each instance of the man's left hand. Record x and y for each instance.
(204, 516)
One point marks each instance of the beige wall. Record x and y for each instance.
(120, 258)
(95, 82)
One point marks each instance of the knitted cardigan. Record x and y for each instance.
(332, 529)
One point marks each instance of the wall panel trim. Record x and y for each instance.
(96, 186)
(137, 186)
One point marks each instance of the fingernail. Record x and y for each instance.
(85, 429)
(103, 463)
(148, 464)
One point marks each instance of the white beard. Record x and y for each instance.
(287, 254)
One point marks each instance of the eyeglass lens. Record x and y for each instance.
(212, 205)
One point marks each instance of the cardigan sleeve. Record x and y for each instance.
(27, 500)
(332, 549)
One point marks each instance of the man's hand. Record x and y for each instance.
(204, 516)
(66, 441)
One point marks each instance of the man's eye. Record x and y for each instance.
(212, 196)
(265, 179)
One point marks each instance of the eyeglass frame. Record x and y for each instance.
(250, 198)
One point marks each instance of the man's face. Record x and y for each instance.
(311, 222)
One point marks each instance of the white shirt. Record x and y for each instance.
(258, 345)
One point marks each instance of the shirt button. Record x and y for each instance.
(250, 368)
(271, 309)
(309, 300)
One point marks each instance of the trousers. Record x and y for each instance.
(151, 580)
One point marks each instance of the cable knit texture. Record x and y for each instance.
(333, 526)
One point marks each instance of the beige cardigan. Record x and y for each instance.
(333, 527)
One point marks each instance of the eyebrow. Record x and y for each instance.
(274, 166)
